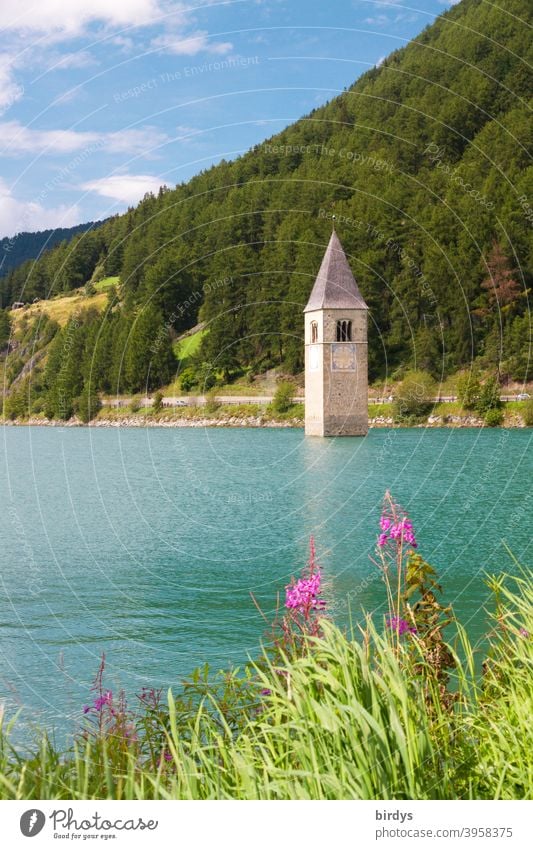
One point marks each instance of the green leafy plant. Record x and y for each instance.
(527, 413)
(283, 397)
(468, 389)
(489, 397)
(16, 403)
(414, 396)
(493, 417)
(212, 404)
(188, 379)
(414, 609)
(157, 405)
(88, 404)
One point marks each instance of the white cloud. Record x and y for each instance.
(406, 18)
(81, 59)
(141, 142)
(16, 139)
(10, 91)
(190, 45)
(125, 188)
(383, 20)
(70, 17)
(124, 42)
(17, 216)
(185, 134)
(377, 21)
(31, 29)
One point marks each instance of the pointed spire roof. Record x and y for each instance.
(335, 286)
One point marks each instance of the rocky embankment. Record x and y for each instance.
(447, 421)
(154, 421)
(131, 420)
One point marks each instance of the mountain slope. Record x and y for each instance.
(24, 246)
(424, 162)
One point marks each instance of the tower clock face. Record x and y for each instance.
(343, 357)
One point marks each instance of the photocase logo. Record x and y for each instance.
(32, 822)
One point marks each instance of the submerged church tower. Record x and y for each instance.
(336, 351)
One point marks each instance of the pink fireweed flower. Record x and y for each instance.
(395, 623)
(524, 633)
(303, 595)
(400, 531)
(101, 701)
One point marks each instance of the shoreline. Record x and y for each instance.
(145, 421)
(131, 421)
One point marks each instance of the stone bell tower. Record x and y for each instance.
(336, 350)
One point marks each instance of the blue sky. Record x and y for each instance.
(102, 100)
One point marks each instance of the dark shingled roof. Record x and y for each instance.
(335, 286)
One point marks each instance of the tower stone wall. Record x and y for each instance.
(336, 361)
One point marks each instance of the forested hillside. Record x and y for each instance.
(424, 161)
(15, 250)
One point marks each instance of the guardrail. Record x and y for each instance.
(200, 400)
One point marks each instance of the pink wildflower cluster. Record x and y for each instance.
(303, 595)
(395, 623)
(400, 531)
(109, 716)
(103, 700)
(304, 608)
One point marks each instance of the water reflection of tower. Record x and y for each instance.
(340, 501)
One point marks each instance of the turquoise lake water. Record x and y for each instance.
(146, 543)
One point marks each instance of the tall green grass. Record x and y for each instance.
(352, 717)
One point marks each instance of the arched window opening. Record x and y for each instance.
(344, 330)
(314, 331)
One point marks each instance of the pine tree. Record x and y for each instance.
(148, 360)
(5, 328)
(501, 283)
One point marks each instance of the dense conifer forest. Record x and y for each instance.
(14, 250)
(425, 164)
